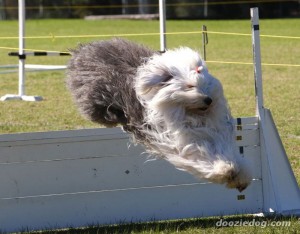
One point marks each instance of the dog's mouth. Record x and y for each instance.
(203, 109)
(199, 108)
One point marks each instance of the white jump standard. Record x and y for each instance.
(281, 191)
(22, 67)
(21, 94)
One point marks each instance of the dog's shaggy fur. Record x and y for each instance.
(169, 102)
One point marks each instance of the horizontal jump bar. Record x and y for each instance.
(38, 53)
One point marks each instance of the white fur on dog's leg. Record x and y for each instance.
(231, 170)
(221, 171)
(232, 174)
(243, 177)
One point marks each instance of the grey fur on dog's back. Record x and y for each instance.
(100, 78)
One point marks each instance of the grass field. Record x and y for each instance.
(57, 112)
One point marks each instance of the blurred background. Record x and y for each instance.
(176, 9)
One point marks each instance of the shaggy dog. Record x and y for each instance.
(167, 101)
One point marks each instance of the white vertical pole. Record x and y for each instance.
(257, 61)
(162, 24)
(270, 188)
(205, 13)
(21, 47)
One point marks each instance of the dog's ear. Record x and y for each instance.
(150, 78)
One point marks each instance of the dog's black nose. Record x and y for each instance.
(207, 101)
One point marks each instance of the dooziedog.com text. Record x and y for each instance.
(252, 223)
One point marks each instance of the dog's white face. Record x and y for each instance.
(179, 79)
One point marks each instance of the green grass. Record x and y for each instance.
(57, 111)
(239, 224)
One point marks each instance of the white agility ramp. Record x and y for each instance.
(83, 177)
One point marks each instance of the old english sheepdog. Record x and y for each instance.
(169, 102)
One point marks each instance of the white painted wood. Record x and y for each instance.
(79, 177)
(281, 191)
(257, 60)
(247, 137)
(247, 120)
(125, 206)
(162, 25)
(252, 154)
